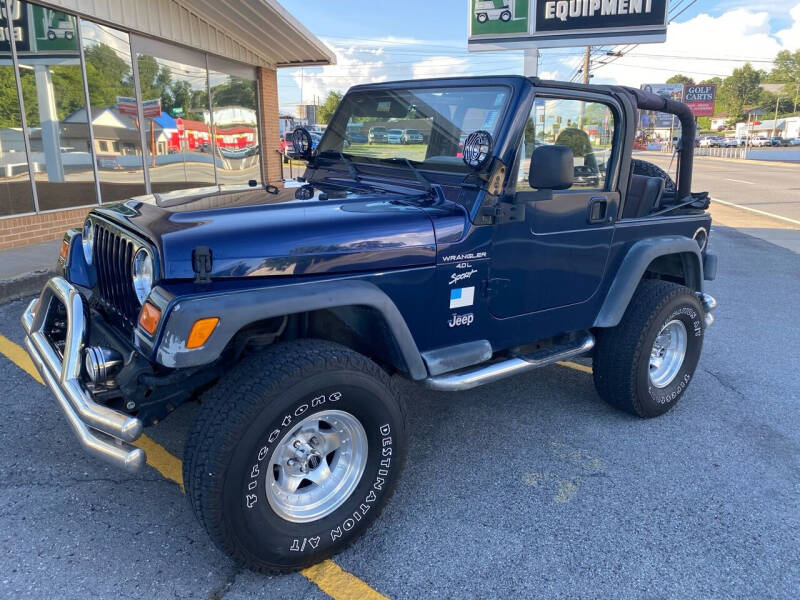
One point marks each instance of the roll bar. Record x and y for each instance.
(650, 101)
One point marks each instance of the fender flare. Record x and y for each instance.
(633, 268)
(238, 308)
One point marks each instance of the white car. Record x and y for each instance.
(730, 143)
(758, 142)
(394, 136)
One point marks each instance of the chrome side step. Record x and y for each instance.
(481, 375)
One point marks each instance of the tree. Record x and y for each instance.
(234, 92)
(787, 70)
(740, 90)
(107, 76)
(329, 107)
(681, 79)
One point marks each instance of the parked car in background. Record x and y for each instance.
(108, 163)
(394, 136)
(794, 142)
(759, 142)
(709, 142)
(412, 136)
(776, 142)
(377, 135)
(356, 137)
(729, 143)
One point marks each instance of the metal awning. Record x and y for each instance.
(266, 29)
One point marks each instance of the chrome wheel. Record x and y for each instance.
(669, 350)
(316, 466)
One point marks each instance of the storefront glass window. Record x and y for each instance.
(233, 100)
(178, 140)
(16, 196)
(53, 95)
(112, 96)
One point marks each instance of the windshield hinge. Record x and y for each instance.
(201, 264)
(495, 212)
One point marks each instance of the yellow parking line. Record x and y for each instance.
(339, 584)
(19, 357)
(158, 457)
(327, 575)
(576, 366)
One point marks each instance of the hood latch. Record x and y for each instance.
(201, 264)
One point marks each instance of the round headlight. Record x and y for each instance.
(88, 241)
(142, 274)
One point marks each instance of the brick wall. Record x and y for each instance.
(270, 127)
(32, 229)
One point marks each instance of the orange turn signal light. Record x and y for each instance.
(64, 249)
(149, 318)
(201, 331)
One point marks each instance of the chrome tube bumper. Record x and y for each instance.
(709, 305)
(102, 431)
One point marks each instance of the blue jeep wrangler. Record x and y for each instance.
(519, 231)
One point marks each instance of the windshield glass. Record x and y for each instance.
(370, 125)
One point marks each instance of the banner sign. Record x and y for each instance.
(151, 108)
(660, 120)
(519, 24)
(701, 99)
(126, 106)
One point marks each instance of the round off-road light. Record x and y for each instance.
(477, 149)
(88, 241)
(142, 274)
(101, 363)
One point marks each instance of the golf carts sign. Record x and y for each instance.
(501, 24)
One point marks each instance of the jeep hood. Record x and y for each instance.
(298, 230)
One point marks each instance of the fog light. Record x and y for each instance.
(101, 363)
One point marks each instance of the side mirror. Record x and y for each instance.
(552, 168)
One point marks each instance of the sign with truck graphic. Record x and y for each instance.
(522, 24)
(499, 17)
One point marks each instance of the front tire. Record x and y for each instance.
(294, 453)
(645, 364)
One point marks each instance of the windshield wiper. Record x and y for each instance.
(417, 173)
(351, 167)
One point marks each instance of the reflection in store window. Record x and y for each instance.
(52, 91)
(175, 102)
(109, 77)
(16, 196)
(234, 105)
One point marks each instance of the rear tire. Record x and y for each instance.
(639, 366)
(307, 411)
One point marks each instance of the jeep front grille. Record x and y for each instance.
(113, 260)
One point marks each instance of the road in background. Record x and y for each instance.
(530, 487)
(766, 187)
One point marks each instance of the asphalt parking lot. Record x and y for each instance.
(531, 487)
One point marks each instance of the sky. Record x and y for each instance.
(386, 40)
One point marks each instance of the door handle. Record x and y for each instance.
(598, 209)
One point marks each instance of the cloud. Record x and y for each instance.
(790, 38)
(440, 66)
(704, 47)
(353, 66)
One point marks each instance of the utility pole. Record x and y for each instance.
(587, 62)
